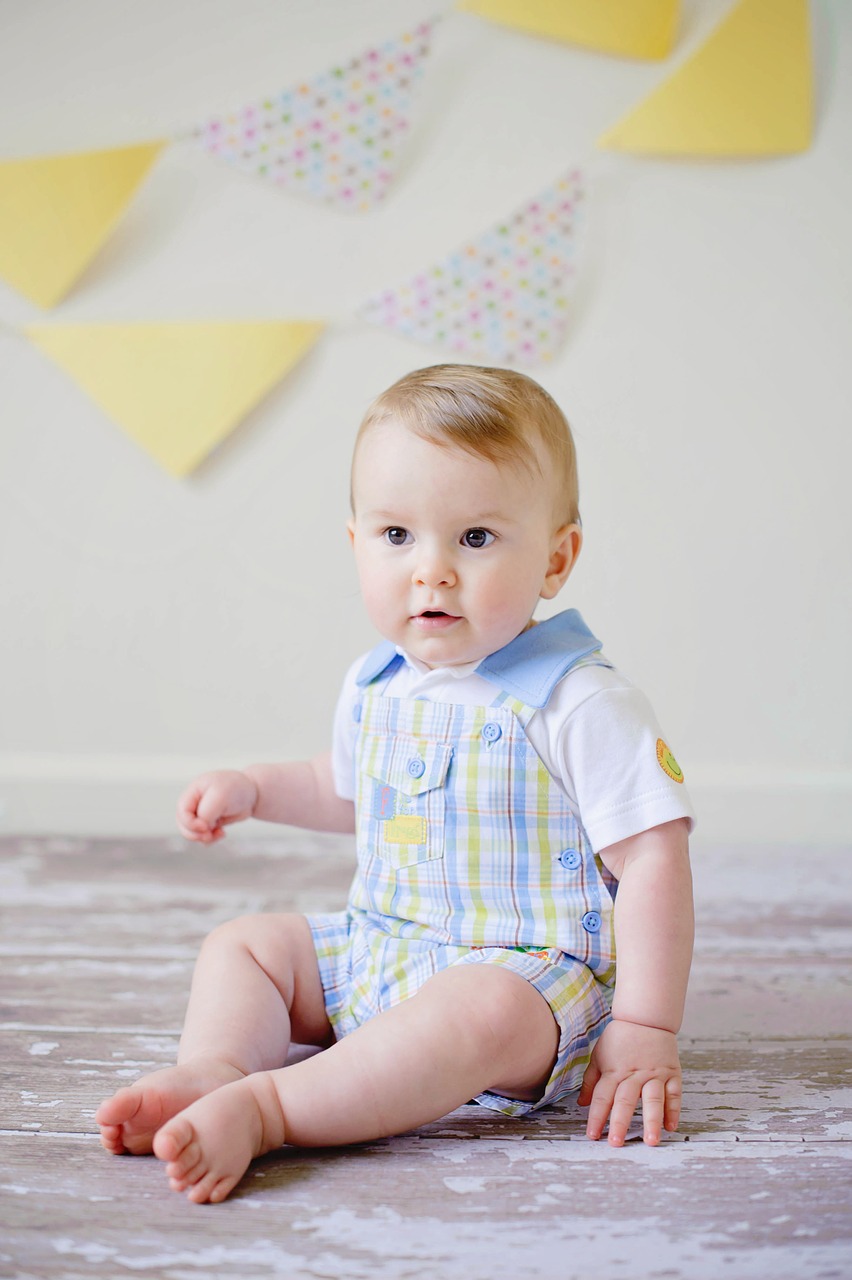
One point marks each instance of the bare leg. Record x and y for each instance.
(469, 1029)
(256, 983)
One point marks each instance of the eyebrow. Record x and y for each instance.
(378, 513)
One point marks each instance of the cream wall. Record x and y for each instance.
(152, 626)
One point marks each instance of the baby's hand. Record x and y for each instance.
(629, 1062)
(212, 802)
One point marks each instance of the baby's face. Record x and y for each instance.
(453, 551)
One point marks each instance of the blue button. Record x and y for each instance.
(356, 713)
(570, 859)
(416, 767)
(591, 922)
(491, 731)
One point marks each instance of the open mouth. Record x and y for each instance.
(433, 619)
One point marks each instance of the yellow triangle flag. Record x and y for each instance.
(746, 92)
(633, 28)
(177, 389)
(57, 211)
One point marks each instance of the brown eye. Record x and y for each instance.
(396, 537)
(477, 538)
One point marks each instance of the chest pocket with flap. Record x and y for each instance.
(402, 801)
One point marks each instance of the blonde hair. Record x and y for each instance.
(496, 414)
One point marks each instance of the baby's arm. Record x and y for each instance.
(300, 793)
(637, 1054)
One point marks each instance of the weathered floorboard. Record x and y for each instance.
(98, 939)
(487, 1210)
(786, 1089)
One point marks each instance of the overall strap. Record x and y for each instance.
(524, 711)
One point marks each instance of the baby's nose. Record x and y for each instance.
(434, 569)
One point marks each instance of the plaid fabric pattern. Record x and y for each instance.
(468, 852)
(464, 838)
(365, 970)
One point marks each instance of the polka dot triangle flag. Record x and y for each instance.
(336, 137)
(503, 298)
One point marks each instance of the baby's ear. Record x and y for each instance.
(564, 549)
(350, 528)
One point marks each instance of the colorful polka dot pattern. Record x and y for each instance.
(502, 298)
(336, 137)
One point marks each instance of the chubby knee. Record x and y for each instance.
(230, 933)
(497, 1007)
(254, 932)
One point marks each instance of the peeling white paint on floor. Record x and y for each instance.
(755, 1184)
(140, 1255)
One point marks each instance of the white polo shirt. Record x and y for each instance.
(597, 737)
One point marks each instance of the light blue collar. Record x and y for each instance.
(528, 667)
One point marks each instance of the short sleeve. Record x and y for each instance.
(344, 733)
(615, 761)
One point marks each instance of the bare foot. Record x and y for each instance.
(209, 1146)
(130, 1118)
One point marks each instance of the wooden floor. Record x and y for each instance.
(98, 942)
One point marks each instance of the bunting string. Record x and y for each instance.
(503, 297)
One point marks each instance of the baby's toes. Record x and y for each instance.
(183, 1175)
(136, 1144)
(213, 1188)
(120, 1108)
(112, 1139)
(176, 1144)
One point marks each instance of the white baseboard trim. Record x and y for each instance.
(128, 795)
(94, 795)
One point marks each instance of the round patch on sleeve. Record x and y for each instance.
(667, 762)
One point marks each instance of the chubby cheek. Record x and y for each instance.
(507, 600)
(378, 607)
(380, 589)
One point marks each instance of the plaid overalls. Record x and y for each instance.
(468, 852)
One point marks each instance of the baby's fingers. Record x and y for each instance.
(600, 1107)
(209, 835)
(653, 1105)
(587, 1088)
(674, 1097)
(188, 821)
(623, 1106)
(193, 828)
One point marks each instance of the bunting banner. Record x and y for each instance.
(177, 389)
(746, 92)
(629, 28)
(502, 298)
(57, 211)
(334, 138)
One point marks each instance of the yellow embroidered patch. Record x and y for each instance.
(667, 762)
(405, 828)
